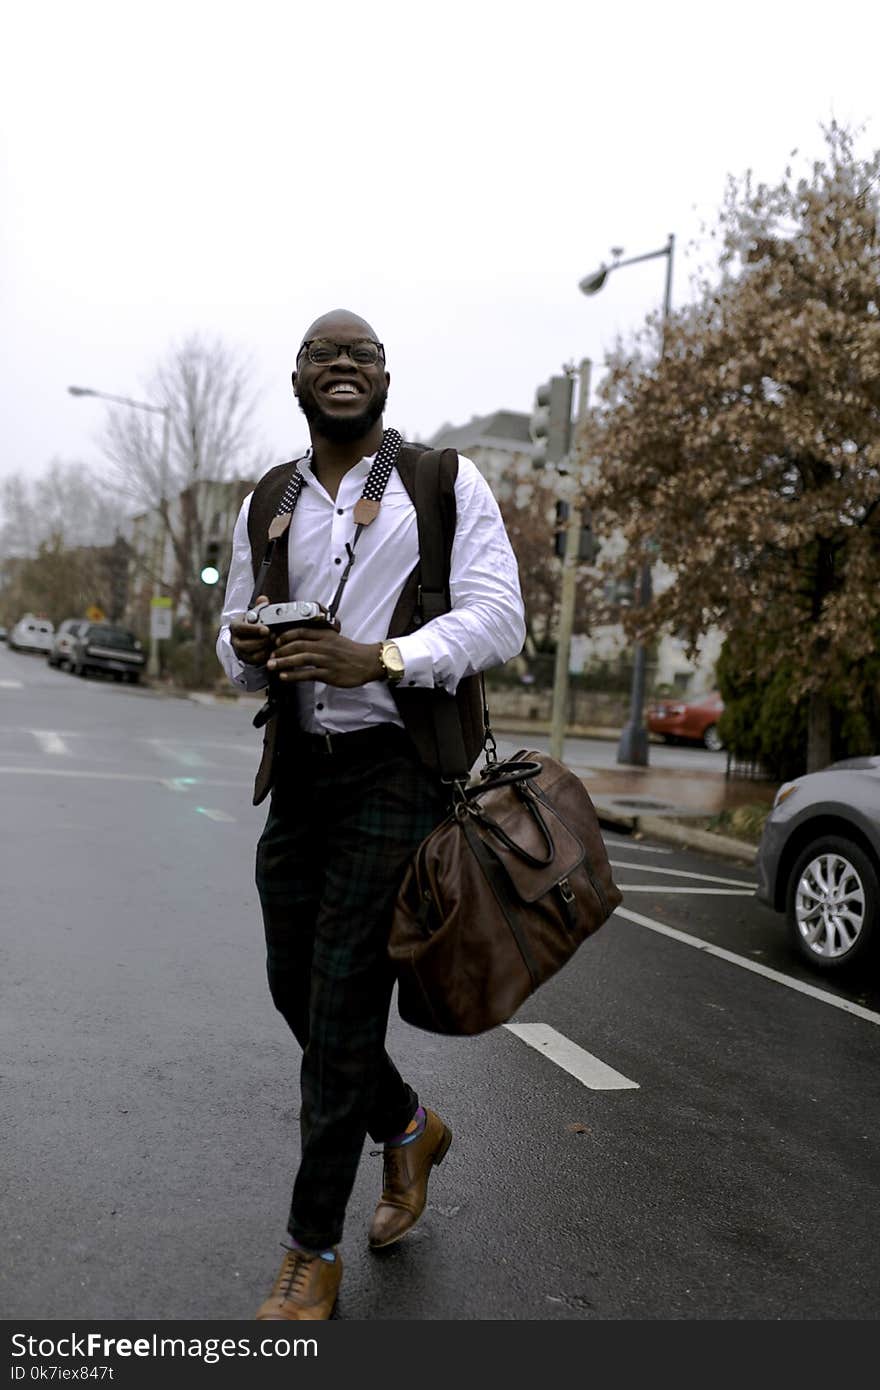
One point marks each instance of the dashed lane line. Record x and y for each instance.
(589, 1070)
(683, 873)
(636, 849)
(811, 990)
(11, 685)
(214, 814)
(51, 742)
(680, 888)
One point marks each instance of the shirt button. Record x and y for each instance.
(340, 511)
(337, 561)
(411, 682)
(319, 705)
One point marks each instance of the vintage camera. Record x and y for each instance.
(281, 617)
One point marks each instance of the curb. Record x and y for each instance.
(690, 837)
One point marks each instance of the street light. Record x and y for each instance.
(165, 412)
(633, 745)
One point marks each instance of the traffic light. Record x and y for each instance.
(550, 425)
(588, 546)
(210, 573)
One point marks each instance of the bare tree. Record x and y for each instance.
(187, 470)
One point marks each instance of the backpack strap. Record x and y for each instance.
(435, 548)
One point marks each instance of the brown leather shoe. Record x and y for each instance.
(305, 1289)
(407, 1168)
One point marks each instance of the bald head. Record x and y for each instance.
(341, 381)
(340, 320)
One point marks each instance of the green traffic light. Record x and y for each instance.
(210, 575)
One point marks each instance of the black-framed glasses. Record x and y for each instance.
(364, 352)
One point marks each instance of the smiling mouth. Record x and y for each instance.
(339, 389)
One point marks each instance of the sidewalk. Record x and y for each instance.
(664, 803)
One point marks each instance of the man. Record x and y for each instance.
(352, 795)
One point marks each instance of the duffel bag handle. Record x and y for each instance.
(520, 851)
(503, 775)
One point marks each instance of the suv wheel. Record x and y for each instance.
(833, 903)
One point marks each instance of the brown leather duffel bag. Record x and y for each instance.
(499, 896)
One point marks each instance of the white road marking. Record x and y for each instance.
(50, 742)
(117, 776)
(227, 747)
(215, 815)
(11, 685)
(595, 1074)
(732, 959)
(683, 873)
(679, 888)
(636, 849)
(186, 755)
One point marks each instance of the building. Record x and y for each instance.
(499, 444)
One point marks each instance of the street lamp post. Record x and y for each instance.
(165, 412)
(633, 745)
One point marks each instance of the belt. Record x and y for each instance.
(357, 740)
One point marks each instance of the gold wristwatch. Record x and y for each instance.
(391, 662)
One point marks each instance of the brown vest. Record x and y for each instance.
(414, 705)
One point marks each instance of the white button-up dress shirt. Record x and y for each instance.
(484, 627)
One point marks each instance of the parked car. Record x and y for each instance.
(819, 861)
(104, 647)
(31, 634)
(691, 721)
(60, 654)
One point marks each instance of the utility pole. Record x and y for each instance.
(571, 558)
(159, 618)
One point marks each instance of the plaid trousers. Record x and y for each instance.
(342, 826)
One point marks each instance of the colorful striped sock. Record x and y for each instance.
(415, 1127)
(291, 1244)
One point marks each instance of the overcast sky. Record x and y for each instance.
(448, 171)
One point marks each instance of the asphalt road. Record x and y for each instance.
(149, 1090)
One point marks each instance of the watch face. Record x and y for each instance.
(392, 660)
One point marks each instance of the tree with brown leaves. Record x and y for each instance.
(747, 457)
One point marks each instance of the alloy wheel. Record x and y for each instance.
(829, 906)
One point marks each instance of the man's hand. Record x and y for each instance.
(321, 654)
(251, 642)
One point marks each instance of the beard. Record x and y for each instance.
(342, 429)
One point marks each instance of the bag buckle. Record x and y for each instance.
(565, 890)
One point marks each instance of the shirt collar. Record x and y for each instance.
(360, 469)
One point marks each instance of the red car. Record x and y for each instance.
(692, 721)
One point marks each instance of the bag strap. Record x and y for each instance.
(434, 549)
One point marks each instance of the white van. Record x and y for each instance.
(31, 634)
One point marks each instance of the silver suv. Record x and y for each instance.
(61, 650)
(819, 862)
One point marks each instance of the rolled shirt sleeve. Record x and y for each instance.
(239, 587)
